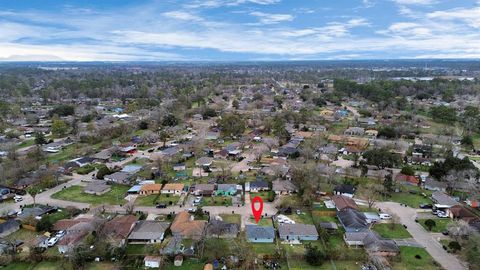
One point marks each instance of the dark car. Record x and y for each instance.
(426, 206)
(445, 232)
(161, 205)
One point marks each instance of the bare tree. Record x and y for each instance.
(459, 229)
(129, 208)
(370, 193)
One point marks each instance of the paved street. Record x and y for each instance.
(407, 217)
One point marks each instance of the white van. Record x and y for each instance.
(384, 216)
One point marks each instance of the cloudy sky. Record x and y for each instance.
(224, 30)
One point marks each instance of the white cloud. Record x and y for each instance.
(415, 2)
(470, 16)
(182, 15)
(268, 18)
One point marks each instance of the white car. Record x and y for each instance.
(18, 198)
(52, 241)
(442, 215)
(385, 216)
(60, 234)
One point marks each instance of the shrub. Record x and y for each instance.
(418, 257)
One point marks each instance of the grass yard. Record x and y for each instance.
(263, 195)
(216, 201)
(261, 249)
(22, 234)
(264, 221)
(441, 224)
(231, 218)
(154, 199)
(75, 193)
(66, 153)
(187, 265)
(387, 231)
(135, 249)
(303, 218)
(412, 200)
(85, 169)
(409, 262)
(25, 143)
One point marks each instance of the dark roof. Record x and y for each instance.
(260, 232)
(8, 225)
(353, 219)
(259, 184)
(343, 188)
(297, 229)
(217, 227)
(374, 243)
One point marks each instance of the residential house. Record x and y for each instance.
(461, 212)
(97, 188)
(343, 202)
(204, 162)
(345, 190)
(203, 189)
(173, 188)
(220, 229)
(284, 187)
(78, 162)
(103, 156)
(226, 189)
(148, 232)
(68, 242)
(434, 185)
(8, 227)
(186, 227)
(131, 168)
(118, 228)
(301, 232)
(352, 220)
(407, 179)
(371, 133)
(354, 131)
(260, 234)
(442, 200)
(119, 177)
(258, 186)
(150, 189)
(152, 261)
(179, 167)
(372, 242)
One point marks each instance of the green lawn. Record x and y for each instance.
(187, 265)
(85, 169)
(441, 224)
(75, 193)
(412, 200)
(264, 248)
(66, 153)
(155, 199)
(304, 218)
(231, 218)
(387, 231)
(135, 249)
(214, 201)
(22, 234)
(409, 262)
(25, 143)
(265, 221)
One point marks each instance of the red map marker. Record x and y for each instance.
(257, 213)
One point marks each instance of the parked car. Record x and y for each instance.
(385, 216)
(442, 215)
(60, 234)
(426, 206)
(18, 198)
(191, 210)
(52, 241)
(161, 205)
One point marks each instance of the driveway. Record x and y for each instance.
(407, 217)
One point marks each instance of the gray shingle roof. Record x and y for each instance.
(297, 230)
(260, 232)
(148, 229)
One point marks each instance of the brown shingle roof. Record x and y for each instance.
(186, 227)
(342, 202)
(151, 187)
(120, 226)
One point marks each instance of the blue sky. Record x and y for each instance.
(224, 30)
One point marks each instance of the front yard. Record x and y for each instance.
(216, 201)
(154, 199)
(391, 231)
(441, 224)
(75, 194)
(414, 258)
(412, 200)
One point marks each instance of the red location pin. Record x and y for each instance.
(257, 213)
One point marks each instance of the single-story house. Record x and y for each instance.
(186, 227)
(69, 241)
(226, 190)
(147, 232)
(407, 179)
(204, 162)
(179, 167)
(372, 242)
(284, 187)
(103, 156)
(97, 188)
(259, 185)
(221, 229)
(134, 189)
(442, 200)
(260, 234)
(152, 261)
(461, 212)
(345, 190)
(343, 202)
(119, 177)
(354, 131)
(301, 232)
(434, 185)
(119, 228)
(352, 220)
(131, 168)
(9, 227)
(203, 189)
(150, 189)
(172, 188)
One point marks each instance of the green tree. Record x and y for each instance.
(430, 223)
(33, 191)
(472, 249)
(271, 196)
(44, 225)
(408, 170)
(467, 141)
(59, 127)
(443, 114)
(40, 138)
(235, 104)
(170, 120)
(382, 158)
(102, 171)
(232, 125)
(454, 246)
(388, 183)
(313, 255)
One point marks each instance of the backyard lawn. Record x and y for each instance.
(22, 234)
(441, 224)
(391, 231)
(231, 218)
(155, 199)
(409, 262)
(187, 265)
(75, 193)
(303, 218)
